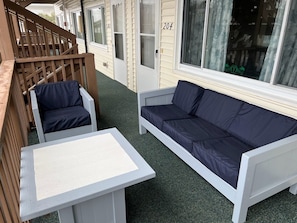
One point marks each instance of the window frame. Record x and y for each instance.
(74, 24)
(91, 41)
(60, 20)
(270, 92)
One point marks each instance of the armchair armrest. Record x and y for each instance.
(89, 105)
(36, 116)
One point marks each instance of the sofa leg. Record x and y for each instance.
(239, 213)
(293, 189)
(142, 130)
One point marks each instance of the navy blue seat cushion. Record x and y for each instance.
(222, 156)
(158, 113)
(57, 95)
(187, 96)
(257, 126)
(218, 109)
(65, 118)
(185, 131)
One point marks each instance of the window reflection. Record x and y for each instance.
(242, 36)
(97, 17)
(78, 25)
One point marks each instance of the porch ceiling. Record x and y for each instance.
(25, 3)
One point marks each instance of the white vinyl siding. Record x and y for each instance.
(130, 44)
(167, 42)
(275, 98)
(103, 55)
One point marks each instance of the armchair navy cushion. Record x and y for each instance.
(65, 118)
(61, 106)
(187, 96)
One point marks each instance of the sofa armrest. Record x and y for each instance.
(36, 115)
(154, 97)
(89, 105)
(265, 171)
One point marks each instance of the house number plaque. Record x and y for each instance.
(167, 25)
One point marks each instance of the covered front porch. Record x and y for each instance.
(177, 193)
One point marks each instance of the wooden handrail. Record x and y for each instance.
(71, 50)
(27, 14)
(59, 57)
(42, 40)
(34, 36)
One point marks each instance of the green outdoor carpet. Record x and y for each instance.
(177, 194)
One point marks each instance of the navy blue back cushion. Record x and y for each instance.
(57, 95)
(187, 96)
(218, 109)
(257, 126)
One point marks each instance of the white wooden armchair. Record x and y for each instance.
(62, 109)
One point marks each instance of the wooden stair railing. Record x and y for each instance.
(34, 71)
(34, 36)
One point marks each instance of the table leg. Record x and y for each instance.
(66, 215)
(119, 205)
(106, 208)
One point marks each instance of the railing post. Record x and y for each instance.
(5, 42)
(92, 80)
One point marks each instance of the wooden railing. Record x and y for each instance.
(44, 53)
(33, 36)
(16, 80)
(14, 134)
(34, 71)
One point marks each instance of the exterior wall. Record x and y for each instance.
(272, 97)
(103, 55)
(167, 44)
(69, 7)
(278, 99)
(131, 44)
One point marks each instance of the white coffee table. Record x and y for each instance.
(82, 177)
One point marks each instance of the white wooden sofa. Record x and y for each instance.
(263, 172)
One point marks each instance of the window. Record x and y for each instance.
(78, 25)
(60, 21)
(242, 38)
(288, 63)
(97, 20)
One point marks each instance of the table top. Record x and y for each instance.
(65, 172)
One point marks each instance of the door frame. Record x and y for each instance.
(123, 80)
(157, 42)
